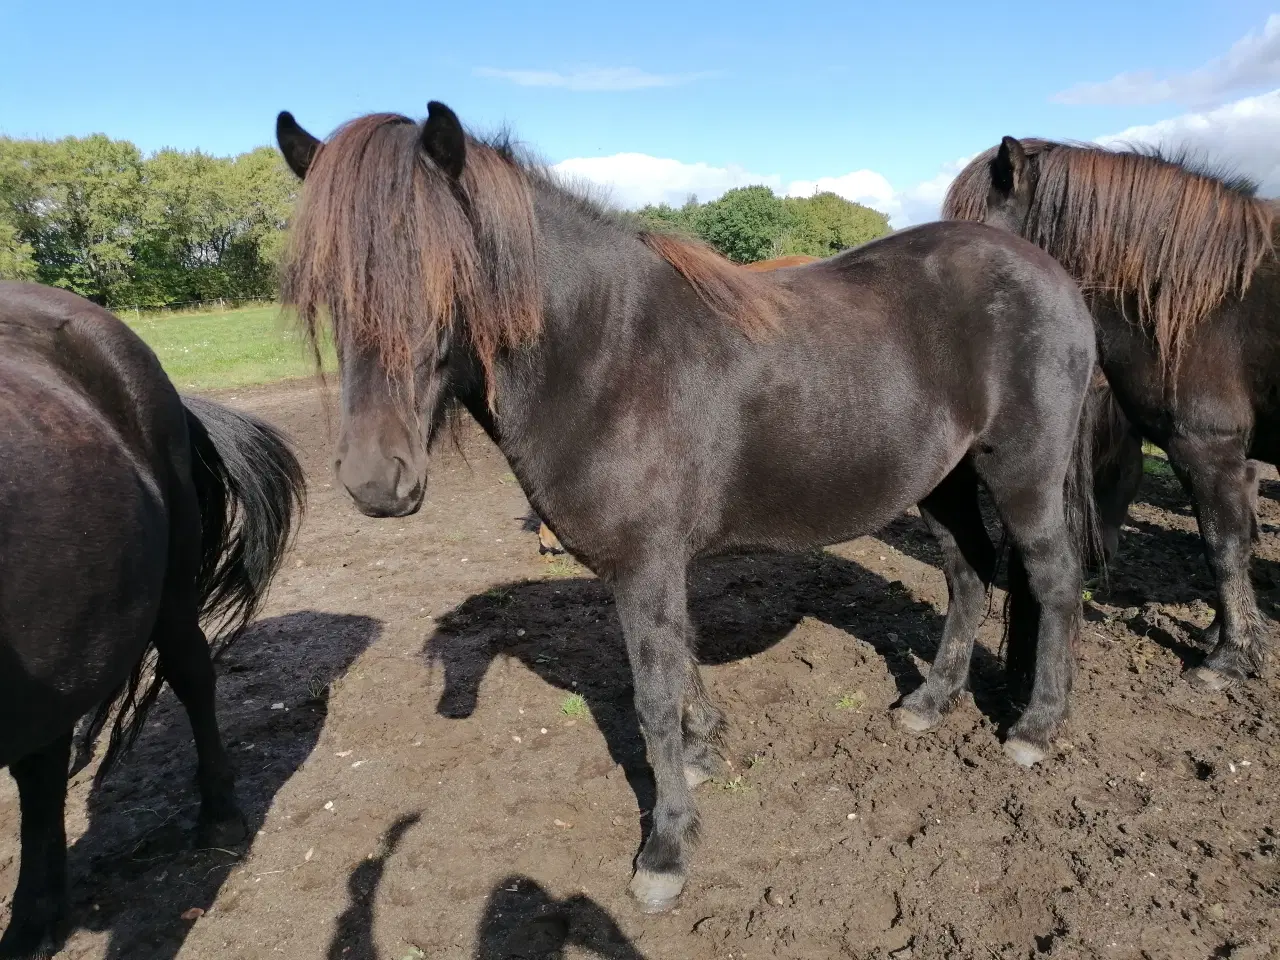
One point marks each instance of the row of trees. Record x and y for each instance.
(94, 216)
(753, 223)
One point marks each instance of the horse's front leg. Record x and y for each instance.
(1222, 485)
(653, 608)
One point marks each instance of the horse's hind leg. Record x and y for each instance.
(1218, 477)
(40, 900)
(1045, 585)
(187, 666)
(954, 518)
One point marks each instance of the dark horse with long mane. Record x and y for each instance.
(129, 516)
(1179, 269)
(659, 404)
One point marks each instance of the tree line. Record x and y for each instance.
(753, 223)
(95, 216)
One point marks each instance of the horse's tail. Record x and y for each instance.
(251, 490)
(1022, 614)
(1110, 426)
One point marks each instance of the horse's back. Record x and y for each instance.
(97, 355)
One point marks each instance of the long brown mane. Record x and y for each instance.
(742, 297)
(389, 249)
(1150, 231)
(778, 263)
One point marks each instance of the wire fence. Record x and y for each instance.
(192, 306)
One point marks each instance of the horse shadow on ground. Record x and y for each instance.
(523, 922)
(353, 936)
(134, 872)
(566, 631)
(1156, 564)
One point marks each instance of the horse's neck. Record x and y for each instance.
(592, 278)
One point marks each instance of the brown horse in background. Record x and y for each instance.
(549, 545)
(1179, 268)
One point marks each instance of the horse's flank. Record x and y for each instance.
(1154, 233)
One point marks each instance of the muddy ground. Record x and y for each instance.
(421, 785)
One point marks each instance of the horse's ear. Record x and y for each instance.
(298, 146)
(1009, 169)
(444, 140)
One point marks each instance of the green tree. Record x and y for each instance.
(826, 223)
(75, 203)
(16, 262)
(745, 224)
(92, 216)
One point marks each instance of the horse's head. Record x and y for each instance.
(1013, 186)
(383, 249)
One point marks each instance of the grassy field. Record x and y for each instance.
(235, 348)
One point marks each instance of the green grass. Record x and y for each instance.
(1155, 463)
(737, 785)
(575, 705)
(234, 348)
(852, 701)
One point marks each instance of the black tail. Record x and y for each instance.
(251, 491)
(1022, 613)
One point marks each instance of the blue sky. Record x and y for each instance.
(701, 95)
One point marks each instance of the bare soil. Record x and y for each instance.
(421, 785)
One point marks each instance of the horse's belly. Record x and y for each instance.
(793, 496)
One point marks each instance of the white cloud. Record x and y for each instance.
(916, 204)
(1243, 136)
(1252, 62)
(592, 79)
(634, 179)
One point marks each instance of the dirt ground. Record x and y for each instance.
(422, 787)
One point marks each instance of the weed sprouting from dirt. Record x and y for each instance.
(852, 701)
(574, 705)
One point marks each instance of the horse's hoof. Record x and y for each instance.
(913, 722)
(656, 892)
(1208, 680)
(695, 776)
(1023, 752)
(224, 833)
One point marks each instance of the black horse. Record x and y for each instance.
(1179, 269)
(128, 517)
(658, 404)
